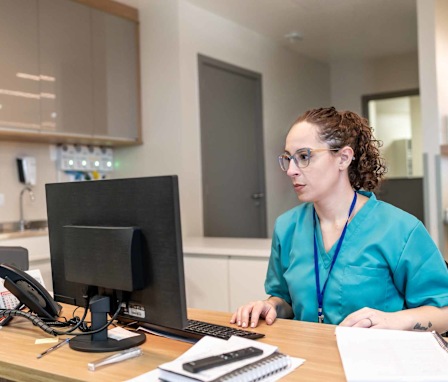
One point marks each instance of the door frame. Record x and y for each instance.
(385, 95)
(259, 139)
(396, 94)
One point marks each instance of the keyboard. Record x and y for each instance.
(201, 328)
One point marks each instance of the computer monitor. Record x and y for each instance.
(84, 219)
(404, 193)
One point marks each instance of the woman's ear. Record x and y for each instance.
(346, 155)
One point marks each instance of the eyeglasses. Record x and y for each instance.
(301, 157)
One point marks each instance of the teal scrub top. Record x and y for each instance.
(387, 261)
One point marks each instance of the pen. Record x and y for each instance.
(57, 346)
(118, 357)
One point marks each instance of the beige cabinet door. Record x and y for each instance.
(246, 280)
(115, 76)
(207, 282)
(66, 66)
(19, 66)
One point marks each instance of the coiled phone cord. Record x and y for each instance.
(33, 318)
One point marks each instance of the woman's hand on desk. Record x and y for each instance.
(372, 318)
(253, 312)
(269, 309)
(422, 318)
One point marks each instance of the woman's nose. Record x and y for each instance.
(293, 169)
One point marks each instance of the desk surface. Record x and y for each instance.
(314, 342)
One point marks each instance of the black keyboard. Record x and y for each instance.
(225, 332)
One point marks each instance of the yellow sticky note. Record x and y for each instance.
(46, 341)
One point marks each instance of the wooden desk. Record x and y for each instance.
(314, 342)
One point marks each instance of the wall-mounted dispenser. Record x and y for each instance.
(66, 157)
(27, 170)
(85, 162)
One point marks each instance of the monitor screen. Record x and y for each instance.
(88, 222)
(404, 193)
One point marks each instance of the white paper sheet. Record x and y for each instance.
(391, 355)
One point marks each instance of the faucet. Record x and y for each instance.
(22, 220)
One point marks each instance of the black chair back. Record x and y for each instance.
(16, 256)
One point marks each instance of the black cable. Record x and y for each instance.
(106, 325)
(79, 323)
(33, 318)
(37, 321)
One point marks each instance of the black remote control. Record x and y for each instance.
(222, 359)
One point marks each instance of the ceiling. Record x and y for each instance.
(330, 29)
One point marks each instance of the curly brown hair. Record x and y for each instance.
(345, 128)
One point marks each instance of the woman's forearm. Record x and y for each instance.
(426, 318)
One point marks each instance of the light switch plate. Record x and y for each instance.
(2, 200)
(53, 153)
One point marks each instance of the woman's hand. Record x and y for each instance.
(270, 309)
(423, 318)
(372, 318)
(250, 314)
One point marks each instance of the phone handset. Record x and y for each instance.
(29, 292)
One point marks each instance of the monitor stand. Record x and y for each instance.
(99, 342)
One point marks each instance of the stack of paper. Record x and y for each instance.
(392, 355)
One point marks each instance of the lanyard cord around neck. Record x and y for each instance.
(320, 293)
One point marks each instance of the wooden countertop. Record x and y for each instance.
(23, 234)
(316, 343)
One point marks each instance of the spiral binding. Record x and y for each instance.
(440, 340)
(259, 370)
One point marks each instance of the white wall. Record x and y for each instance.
(433, 61)
(172, 34)
(351, 79)
(417, 136)
(441, 15)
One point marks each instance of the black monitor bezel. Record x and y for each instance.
(150, 203)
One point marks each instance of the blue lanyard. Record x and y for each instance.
(320, 293)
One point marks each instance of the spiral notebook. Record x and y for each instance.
(392, 355)
(269, 366)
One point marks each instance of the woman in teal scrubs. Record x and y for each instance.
(342, 256)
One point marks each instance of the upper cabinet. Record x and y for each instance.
(66, 67)
(115, 84)
(19, 66)
(70, 72)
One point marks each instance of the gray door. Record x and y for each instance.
(232, 150)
